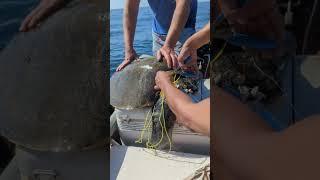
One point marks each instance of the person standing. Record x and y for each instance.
(173, 23)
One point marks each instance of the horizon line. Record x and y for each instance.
(146, 5)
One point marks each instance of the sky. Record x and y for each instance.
(118, 4)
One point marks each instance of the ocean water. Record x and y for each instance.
(12, 13)
(143, 36)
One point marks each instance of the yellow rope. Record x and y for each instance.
(165, 130)
(147, 124)
(144, 128)
(154, 146)
(163, 124)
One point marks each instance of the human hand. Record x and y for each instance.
(187, 51)
(130, 56)
(162, 79)
(42, 11)
(170, 56)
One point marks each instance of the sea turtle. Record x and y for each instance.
(53, 82)
(133, 87)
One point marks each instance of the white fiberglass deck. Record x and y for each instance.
(143, 164)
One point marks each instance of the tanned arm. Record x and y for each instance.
(190, 47)
(251, 150)
(195, 116)
(179, 19)
(130, 14)
(200, 38)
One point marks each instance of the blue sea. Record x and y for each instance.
(12, 13)
(143, 36)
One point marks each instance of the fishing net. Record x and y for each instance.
(160, 120)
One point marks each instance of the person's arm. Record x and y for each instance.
(199, 39)
(179, 19)
(130, 15)
(242, 139)
(196, 41)
(251, 150)
(195, 116)
(41, 12)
